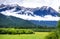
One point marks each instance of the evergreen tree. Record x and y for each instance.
(58, 29)
(58, 26)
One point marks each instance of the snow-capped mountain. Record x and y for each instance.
(43, 13)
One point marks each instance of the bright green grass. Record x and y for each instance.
(37, 35)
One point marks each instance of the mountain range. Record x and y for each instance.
(15, 15)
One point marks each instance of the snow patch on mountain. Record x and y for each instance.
(41, 14)
(26, 17)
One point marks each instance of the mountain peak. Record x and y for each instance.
(33, 12)
(38, 14)
(45, 10)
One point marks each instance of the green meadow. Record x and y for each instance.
(37, 35)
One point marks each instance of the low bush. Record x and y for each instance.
(53, 35)
(29, 31)
(20, 31)
(16, 31)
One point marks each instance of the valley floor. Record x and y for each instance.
(37, 35)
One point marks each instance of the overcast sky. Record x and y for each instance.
(34, 3)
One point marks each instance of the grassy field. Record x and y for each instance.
(37, 35)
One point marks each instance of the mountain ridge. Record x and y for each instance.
(14, 22)
(44, 13)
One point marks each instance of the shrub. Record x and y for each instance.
(3, 31)
(11, 31)
(53, 35)
(29, 31)
(15, 31)
(20, 31)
